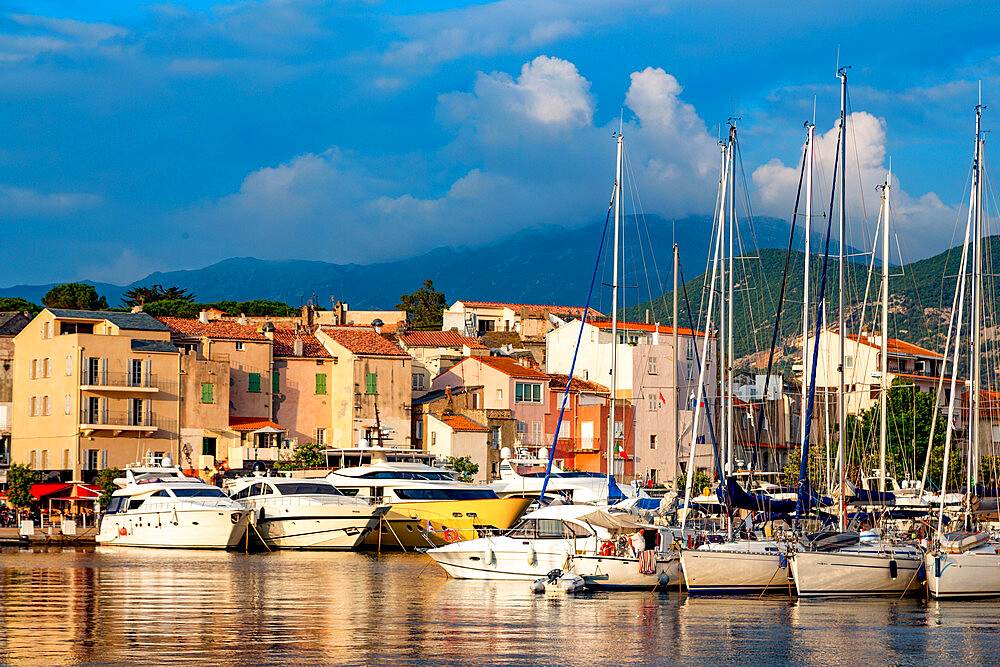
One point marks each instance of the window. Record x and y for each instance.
(434, 438)
(46, 407)
(207, 392)
(275, 383)
(320, 383)
(996, 433)
(499, 395)
(418, 382)
(45, 459)
(239, 346)
(652, 366)
(254, 387)
(65, 461)
(527, 392)
(69, 365)
(690, 349)
(475, 401)
(419, 430)
(564, 430)
(208, 446)
(47, 367)
(320, 436)
(536, 433)
(135, 412)
(31, 459)
(652, 441)
(34, 369)
(654, 402)
(33, 406)
(371, 383)
(849, 362)
(69, 403)
(522, 428)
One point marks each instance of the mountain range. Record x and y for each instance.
(546, 265)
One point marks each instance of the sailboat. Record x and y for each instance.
(966, 563)
(845, 563)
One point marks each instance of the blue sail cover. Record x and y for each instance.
(874, 497)
(615, 494)
(757, 502)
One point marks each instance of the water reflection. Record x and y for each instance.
(126, 606)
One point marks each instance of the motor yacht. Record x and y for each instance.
(429, 506)
(291, 513)
(159, 506)
(523, 475)
(578, 539)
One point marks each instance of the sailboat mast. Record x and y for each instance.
(677, 356)
(977, 305)
(721, 338)
(884, 398)
(614, 311)
(805, 282)
(841, 416)
(730, 357)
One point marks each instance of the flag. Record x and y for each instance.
(663, 401)
(620, 450)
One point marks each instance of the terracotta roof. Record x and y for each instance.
(225, 329)
(439, 339)
(640, 326)
(558, 381)
(501, 338)
(894, 345)
(510, 367)
(460, 422)
(284, 344)
(364, 341)
(573, 311)
(252, 424)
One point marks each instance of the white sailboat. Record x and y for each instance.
(966, 564)
(874, 565)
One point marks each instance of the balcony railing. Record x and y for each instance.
(114, 420)
(126, 380)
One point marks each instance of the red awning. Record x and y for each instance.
(39, 491)
(86, 492)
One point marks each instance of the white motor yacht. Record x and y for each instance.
(291, 513)
(849, 566)
(522, 476)
(429, 506)
(963, 565)
(577, 539)
(159, 506)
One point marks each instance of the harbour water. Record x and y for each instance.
(122, 606)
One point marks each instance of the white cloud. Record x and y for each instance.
(122, 269)
(47, 35)
(27, 202)
(916, 220)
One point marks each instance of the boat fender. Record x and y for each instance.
(531, 554)
(260, 515)
(173, 516)
(893, 569)
(122, 531)
(782, 561)
(489, 555)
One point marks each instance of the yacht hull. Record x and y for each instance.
(964, 575)
(844, 573)
(335, 528)
(449, 520)
(220, 528)
(622, 572)
(733, 572)
(505, 558)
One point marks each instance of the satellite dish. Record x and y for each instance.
(505, 452)
(166, 461)
(543, 453)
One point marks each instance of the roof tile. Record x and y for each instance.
(223, 329)
(284, 344)
(508, 366)
(439, 339)
(364, 341)
(460, 422)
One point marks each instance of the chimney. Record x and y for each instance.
(137, 309)
(647, 316)
(377, 325)
(297, 347)
(203, 317)
(243, 318)
(268, 330)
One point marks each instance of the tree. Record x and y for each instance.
(172, 308)
(142, 296)
(19, 481)
(75, 296)
(464, 466)
(306, 455)
(425, 307)
(701, 482)
(105, 480)
(9, 304)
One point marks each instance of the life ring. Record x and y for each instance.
(123, 531)
(450, 535)
(607, 549)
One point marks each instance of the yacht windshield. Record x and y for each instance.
(393, 474)
(205, 492)
(307, 488)
(445, 494)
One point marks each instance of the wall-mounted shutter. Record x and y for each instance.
(104, 459)
(254, 383)
(147, 412)
(207, 393)
(320, 383)
(104, 411)
(147, 373)
(104, 371)
(371, 383)
(275, 382)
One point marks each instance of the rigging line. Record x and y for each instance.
(715, 230)
(777, 321)
(803, 485)
(572, 366)
(753, 227)
(640, 214)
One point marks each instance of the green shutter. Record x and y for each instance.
(275, 383)
(207, 392)
(371, 383)
(255, 383)
(320, 383)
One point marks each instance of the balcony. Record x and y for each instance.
(121, 382)
(121, 422)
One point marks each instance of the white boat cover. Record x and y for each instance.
(960, 542)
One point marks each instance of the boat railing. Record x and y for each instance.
(310, 498)
(185, 504)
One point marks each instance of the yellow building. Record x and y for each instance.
(93, 390)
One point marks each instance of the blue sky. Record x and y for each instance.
(162, 136)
